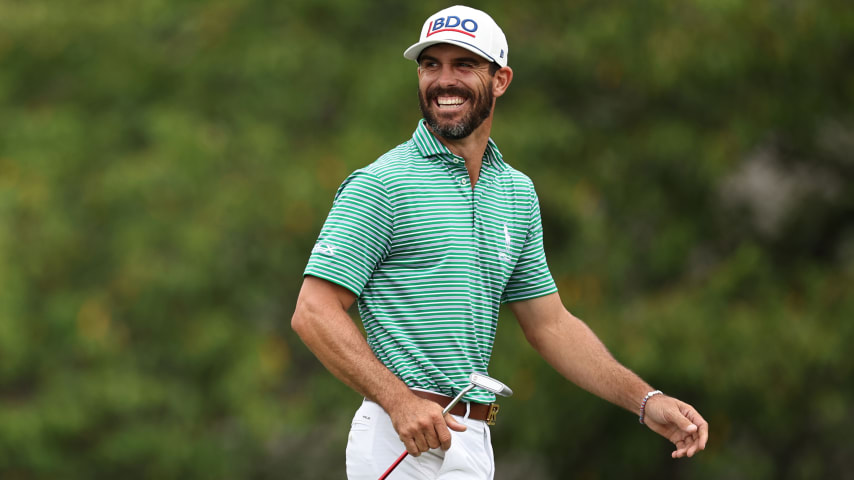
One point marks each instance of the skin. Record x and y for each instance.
(564, 341)
(568, 345)
(445, 66)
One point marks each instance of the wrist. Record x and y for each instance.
(393, 394)
(644, 402)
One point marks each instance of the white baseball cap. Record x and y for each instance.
(466, 27)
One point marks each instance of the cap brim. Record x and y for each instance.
(413, 52)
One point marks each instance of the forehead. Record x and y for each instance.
(447, 51)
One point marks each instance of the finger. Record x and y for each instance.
(420, 444)
(700, 437)
(691, 446)
(433, 437)
(687, 446)
(683, 422)
(443, 433)
(704, 434)
(678, 445)
(453, 424)
(433, 441)
(411, 447)
(691, 450)
(694, 416)
(680, 449)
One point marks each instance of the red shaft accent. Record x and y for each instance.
(394, 465)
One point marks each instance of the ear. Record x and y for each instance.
(501, 81)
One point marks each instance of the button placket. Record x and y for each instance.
(452, 165)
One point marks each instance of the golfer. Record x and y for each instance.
(431, 239)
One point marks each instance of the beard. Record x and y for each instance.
(449, 129)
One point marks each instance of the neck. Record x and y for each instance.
(472, 147)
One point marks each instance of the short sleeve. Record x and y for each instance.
(356, 235)
(531, 277)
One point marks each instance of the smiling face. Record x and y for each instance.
(455, 90)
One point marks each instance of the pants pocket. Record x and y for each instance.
(360, 443)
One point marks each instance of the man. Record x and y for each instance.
(431, 239)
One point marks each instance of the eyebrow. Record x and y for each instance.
(474, 60)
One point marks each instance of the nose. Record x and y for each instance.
(447, 77)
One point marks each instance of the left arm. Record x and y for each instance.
(569, 346)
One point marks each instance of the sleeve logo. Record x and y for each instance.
(323, 249)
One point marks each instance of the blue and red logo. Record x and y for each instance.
(452, 24)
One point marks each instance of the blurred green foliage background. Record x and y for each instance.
(165, 167)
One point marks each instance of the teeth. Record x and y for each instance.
(450, 100)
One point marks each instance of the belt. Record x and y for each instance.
(477, 411)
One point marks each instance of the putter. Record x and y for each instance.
(475, 380)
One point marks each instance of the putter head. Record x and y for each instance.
(491, 384)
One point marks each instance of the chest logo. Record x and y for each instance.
(505, 255)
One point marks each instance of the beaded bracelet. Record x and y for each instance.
(643, 403)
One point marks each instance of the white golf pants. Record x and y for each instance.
(373, 445)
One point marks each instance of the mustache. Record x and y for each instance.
(449, 92)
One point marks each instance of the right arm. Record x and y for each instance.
(322, 322)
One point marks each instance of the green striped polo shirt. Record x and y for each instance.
(431, 259)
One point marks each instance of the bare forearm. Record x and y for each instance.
(335, 340)
(569, 346)
(322, 323)
(577, 353)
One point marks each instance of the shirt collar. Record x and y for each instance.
(429, 146)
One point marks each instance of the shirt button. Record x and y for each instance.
(463, 181)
